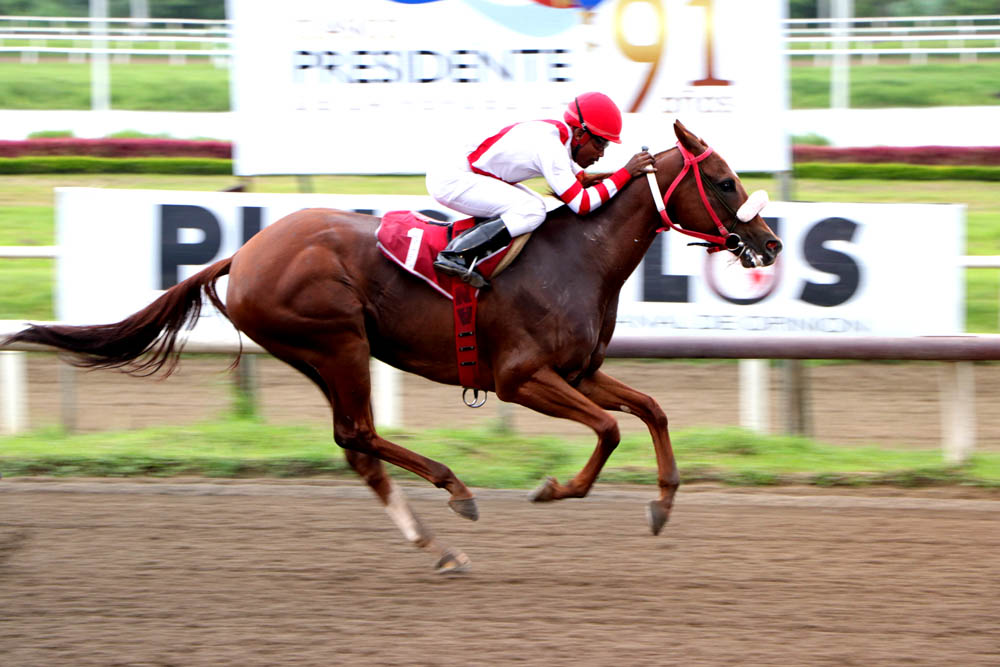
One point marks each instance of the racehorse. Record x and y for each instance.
(313, 290)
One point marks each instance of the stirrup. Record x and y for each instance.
(465, 274)
(473, 277)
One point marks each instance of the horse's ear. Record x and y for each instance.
(688, 140)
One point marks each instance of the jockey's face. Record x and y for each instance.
(587, 148)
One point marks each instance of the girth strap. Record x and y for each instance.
(466, 347)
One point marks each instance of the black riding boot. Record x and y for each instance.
(461, 255)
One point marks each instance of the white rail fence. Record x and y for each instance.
(80, 37)
(861, 26)
(916, 37)
(833, 42)
(840, 41)
(957, 383)
(989, 44)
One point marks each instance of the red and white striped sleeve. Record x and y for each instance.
(584, 200)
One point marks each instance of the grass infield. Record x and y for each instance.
(248, 448)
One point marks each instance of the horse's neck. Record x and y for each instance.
(627, 227)
(606, 246)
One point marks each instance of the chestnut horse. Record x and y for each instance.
(313, 290)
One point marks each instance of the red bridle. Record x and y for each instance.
(725, 239)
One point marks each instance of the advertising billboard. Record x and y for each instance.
(846, 269)
(383, 87)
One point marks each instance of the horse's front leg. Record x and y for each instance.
(396, 506)
(611, 394)
(547, 392)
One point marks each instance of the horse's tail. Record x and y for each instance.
(142, 343)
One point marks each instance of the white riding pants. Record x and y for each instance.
(520, 208)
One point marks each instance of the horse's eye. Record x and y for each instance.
(728, 185)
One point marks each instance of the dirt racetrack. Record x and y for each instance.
(312, 572)
(187, 572)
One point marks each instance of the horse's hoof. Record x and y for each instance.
(544, 492)
(465, 508)
(657, 516)
(452, 562)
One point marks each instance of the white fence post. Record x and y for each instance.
(386, 395)
(13, 385)
(755, 389)
(100, 71)
(958, 410)
(840, 71)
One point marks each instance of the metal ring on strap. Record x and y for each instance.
(475, 402)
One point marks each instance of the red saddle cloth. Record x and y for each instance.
(413, 241)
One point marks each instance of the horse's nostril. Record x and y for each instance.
(773, 247)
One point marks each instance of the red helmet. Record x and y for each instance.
(597, 114)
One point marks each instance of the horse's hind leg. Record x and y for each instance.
(349, 388)
(611, 394)
(373, 472)
(396, 506)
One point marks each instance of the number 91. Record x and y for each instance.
(652, 53)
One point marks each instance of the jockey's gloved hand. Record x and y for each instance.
(640, 163)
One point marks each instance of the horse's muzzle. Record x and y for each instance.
(751, 257)
(770, 252)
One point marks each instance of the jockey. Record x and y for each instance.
(487, 184)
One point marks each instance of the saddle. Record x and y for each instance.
(413, 240)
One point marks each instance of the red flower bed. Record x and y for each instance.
(121, 148)
(983, 156)
(117, 148)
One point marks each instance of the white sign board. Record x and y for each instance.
(847, 269)
(379, 87)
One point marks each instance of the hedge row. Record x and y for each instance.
(153, 147)
(169, 165)
(117, 148)
(894, 172)
(102, 165)
(982, 156)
